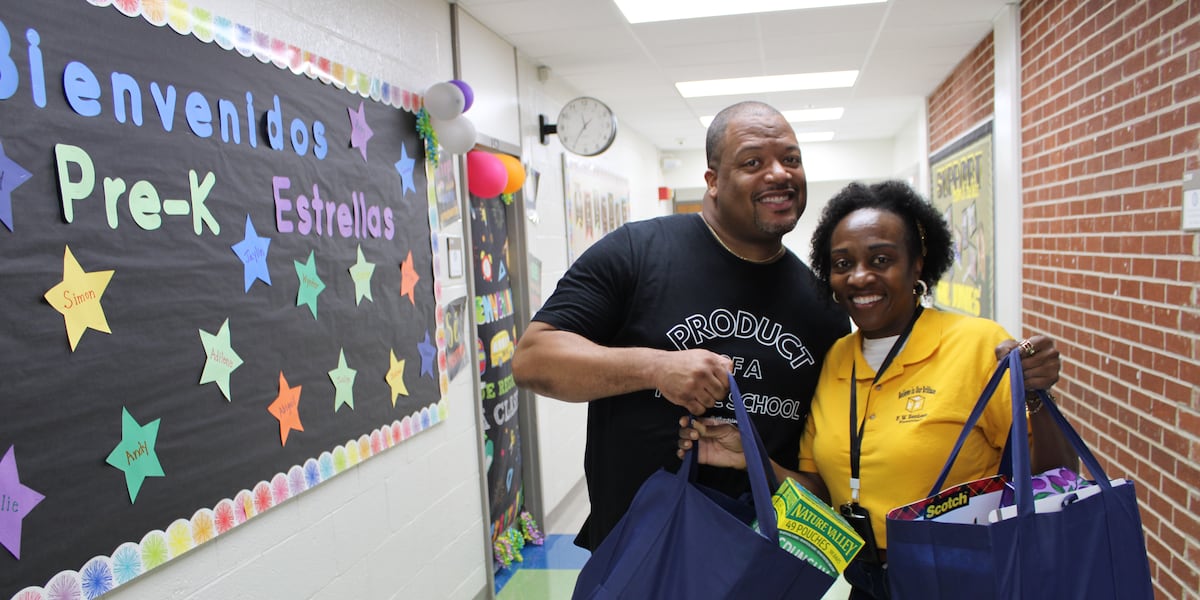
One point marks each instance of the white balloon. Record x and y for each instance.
(456, 135)
(444, 101)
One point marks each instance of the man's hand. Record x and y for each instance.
(718, 443)
(693, 379)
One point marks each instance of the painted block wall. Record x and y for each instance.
(1110, 124)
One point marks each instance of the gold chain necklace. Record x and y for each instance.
(759, 261)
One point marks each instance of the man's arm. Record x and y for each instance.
(570, 367)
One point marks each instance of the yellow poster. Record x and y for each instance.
(962, 189)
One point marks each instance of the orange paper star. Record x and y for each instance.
(395, 377)
(77, 297)
(286, 408)
(408, 278)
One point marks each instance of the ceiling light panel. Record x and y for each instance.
(648, 11)
(768, 83)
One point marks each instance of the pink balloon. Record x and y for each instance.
(486, 175)
(468, 93)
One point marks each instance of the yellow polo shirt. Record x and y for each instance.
(913, 414)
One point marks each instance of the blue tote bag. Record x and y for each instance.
(1088, 546)
(682, 540)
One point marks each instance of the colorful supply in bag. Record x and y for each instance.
(811, 530)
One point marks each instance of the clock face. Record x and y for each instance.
(586, 126)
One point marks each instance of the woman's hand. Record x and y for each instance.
(719, 444)
(1039, 360)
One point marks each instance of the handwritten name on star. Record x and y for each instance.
(142, 450)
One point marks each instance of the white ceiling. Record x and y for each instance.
(902, 48)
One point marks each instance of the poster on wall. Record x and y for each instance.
(963, 192)
(496, 336)
(218, 284)
(597, 203)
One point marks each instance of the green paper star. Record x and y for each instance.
(135, 454)
(220, 359)
(310, 284)
(361, 274)
(343, 380)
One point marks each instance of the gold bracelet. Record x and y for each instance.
(1033, 402)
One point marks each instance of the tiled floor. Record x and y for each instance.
(548, 572)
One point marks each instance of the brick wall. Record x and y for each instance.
(1110, 123)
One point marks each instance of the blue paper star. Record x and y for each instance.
(253, 252)
(404, 167)
(428, 353)
(360, 132)
(11, 176)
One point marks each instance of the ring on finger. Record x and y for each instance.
(1027, 348)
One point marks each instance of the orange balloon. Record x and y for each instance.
(516, 173)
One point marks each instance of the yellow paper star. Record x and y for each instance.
(395, 377)
(77, 297)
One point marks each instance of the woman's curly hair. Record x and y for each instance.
(897, 198)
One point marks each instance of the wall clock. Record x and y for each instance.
(586, 126)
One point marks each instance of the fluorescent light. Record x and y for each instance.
(806, 115)
(768, 83)
(814, 136)
(646, 11)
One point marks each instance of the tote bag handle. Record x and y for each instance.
(758, 468)
(1018, 447)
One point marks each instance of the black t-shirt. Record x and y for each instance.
(666, 283)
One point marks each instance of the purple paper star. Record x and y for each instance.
(11, 176)
(360, 132)
(428, 353)
(16, 500)
(404, 167)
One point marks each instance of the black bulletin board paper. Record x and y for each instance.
(62, 408)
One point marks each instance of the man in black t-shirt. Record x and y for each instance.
(648, 321)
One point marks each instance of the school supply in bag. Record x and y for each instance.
(1084, 544)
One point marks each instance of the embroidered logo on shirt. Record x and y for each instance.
(914, 399)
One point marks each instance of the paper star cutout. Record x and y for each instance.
(361, 273)
(395, 377)
(404, 167)
(16, 500)
(135, 454)
(253, 252)
(360, 132)
(77, 297)
(13, 175)
(408, 278)
(343, 382)
(220, 359)
(310, 285)
(286, 408)
(428, 353)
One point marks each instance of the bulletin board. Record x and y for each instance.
(217, 282)
(597, 203)
(964, 193)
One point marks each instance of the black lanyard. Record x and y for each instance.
(856, 436)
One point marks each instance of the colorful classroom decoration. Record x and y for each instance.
(182, 176)
(486, 176)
